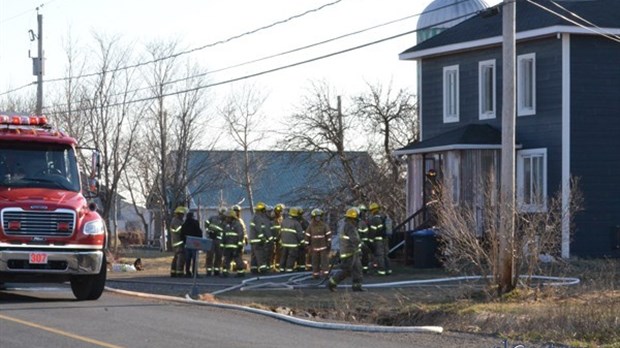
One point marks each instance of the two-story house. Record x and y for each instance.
(567, 121)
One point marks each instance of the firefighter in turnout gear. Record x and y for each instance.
(215, 229)
(302, 259)
(276, 222)
(318, 240)
(367, 243)
(260, 232)
(232, 244)
(350, 249)
(178, 260)
(291, 238)
(380, 241)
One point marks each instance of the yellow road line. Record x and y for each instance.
(59, 332)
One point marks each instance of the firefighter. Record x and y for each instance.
(380, 241)
(191, 227)
(302, 254)
(260, 231)
(178, 260)
(367, 243)
(350, 249)
(232, 245)
(318, 239)
(215, 229)
(291, 238)
(276, 222)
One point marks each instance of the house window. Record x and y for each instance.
(532, 180)
(526, 84)
(486, 89)
(451, 94)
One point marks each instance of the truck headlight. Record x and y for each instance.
(94, 227)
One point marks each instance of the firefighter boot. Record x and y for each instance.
(357, 287)
(331, 285)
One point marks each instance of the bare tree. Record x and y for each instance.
(393, 116)
(321, 126)
(242, 115)
(173, 127)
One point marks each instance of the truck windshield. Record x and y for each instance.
(38, 165)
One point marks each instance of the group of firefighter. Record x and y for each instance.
(282, 240)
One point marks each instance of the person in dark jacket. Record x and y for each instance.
(191, 227)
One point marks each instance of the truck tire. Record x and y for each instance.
(89, 287)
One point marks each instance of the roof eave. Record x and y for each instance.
(451, 147)
(496, 40)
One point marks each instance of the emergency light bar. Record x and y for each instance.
(18, 120)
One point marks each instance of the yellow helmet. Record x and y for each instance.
(222, 210)
(180, 210)
(236, 207)
(232, 213)
(374, 206)
(279, 207)
(352, 213)
(316, 212)
(293, 212)
(260, 206)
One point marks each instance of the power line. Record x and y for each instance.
(301, 48)
(598, 32)
(2, 21)
(18, 88)
(178, 54)
(260, 73)
(583, 19)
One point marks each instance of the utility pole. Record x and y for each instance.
(507, 211)
(37, 64)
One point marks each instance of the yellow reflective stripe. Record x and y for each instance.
(175, 230)
(346, 237)
(231, 233)
(344, 256)
(178, 243)
(378, 238)
(255, 240)
(288, 230)
(216, 227)
(362, 230)
(285, 245)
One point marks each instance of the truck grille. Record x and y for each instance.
(59, 223)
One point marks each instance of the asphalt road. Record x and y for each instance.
(36, 316)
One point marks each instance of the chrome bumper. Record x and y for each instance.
(58, 262)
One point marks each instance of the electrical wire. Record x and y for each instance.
(178, 54)
(268, 71)
(583, 19)
(606, 35)
(18, 88)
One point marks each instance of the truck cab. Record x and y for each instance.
(48, 230)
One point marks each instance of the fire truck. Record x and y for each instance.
(49, 231)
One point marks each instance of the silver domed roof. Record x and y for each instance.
(438, 16)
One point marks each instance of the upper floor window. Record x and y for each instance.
(532, 180)
(486, 89)
(526, 84)
(451, 94)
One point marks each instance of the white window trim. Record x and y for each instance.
(522, 110)
(450, 118)
(531, 208)
(485, 115)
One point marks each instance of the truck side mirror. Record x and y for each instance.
(95, 171)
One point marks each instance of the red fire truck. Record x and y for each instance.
(49, 232)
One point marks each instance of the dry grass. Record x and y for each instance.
(586, 315)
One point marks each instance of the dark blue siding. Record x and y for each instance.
(595, 141)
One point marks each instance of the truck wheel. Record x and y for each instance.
(89, 287)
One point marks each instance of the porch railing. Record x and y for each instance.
(421, 219)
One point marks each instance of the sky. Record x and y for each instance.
(197, 23)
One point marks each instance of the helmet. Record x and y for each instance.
(362, 207)
(180, 210)
(222, 210)
(279, 207)
(293, 212)
(316, 212)
(232, 213)
(236, 207)
(260, 206)
(352, 213)
(269, 208)
(374, 206)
